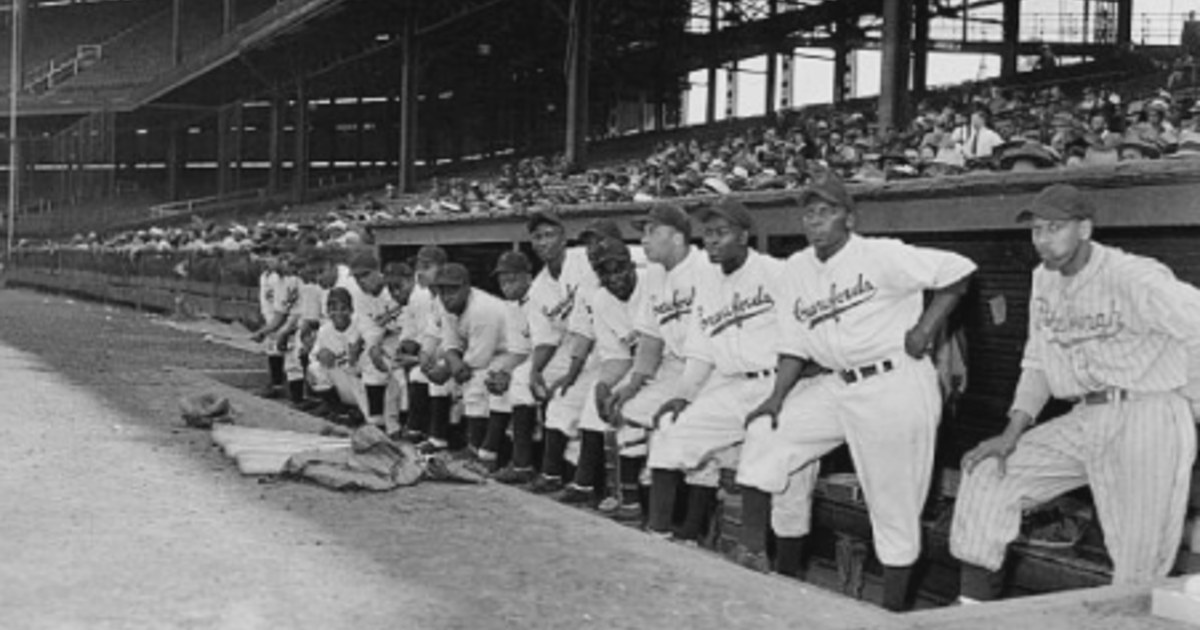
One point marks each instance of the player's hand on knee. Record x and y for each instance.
(673, 408)
(616, 402)
(326, 358)
(999, 447)
(561, 386)
(769, 408)
(463, 373)
(917, 343)
(603, 394)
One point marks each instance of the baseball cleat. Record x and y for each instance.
(546, 485)
(576, 495)
(515, 476)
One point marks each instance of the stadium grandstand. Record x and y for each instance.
(172, 140)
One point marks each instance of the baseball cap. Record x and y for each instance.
(601, 227)
(432, 254)
(452, 275)
(606, 250)
(673, 216)
(1058, 203)
(729, 209)
(831, 189)
(543, 217)
(513, 262)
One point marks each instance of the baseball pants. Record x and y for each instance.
(704, 438)
(889, 422)
(640, 409)
(349, 385)
(564, 411)
(1137, 456)
(518, 393)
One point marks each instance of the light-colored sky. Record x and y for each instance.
(1155, 22)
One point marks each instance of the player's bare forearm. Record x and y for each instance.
(788, 371)
(271, 325)
(509, 361)
(648, 357)
(613, 370)
(541, 357)
(941, 305)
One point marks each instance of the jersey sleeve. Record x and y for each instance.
(912, 268)
(608, 342)
(794, 336)
(582, 319)
(645, 322)
(1171, 306)
(451, 336)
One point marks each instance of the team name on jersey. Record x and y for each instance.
(839, 301)
(1068, 328)
(739, 310)
(679, 305)
(563, 308)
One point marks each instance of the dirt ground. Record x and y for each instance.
(117, 516)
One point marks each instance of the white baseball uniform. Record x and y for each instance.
(1122, 323)
(733, 330)
(422, 324)
(556, 306)
(851, 314)
(278, 295)
(375, 316)
(518, 393)
(481, 335)
(308, 311)
(343, 375)
(616, 341)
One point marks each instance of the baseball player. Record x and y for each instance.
(1111, 332)
(475, 339)
(279, 291)
(856, 306)
(613, 311)
(302, 325)
(375, 315)
(400, 280)
(418, 345)
(562, 363)
(333, 367)
(509, 384)
(730, 359)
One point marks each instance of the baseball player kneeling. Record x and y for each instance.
(730, 359)
(1111, 332)
(333, 367)
(854, 305)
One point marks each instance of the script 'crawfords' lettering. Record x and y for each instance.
(563, 308)
(1067, 327)
(675, 308)
(839, 301)
(739, 310)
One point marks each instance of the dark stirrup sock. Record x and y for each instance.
(980, 584)
(275, 369)
(497, 428)
(591, 453)
(895, 587)
(296, 390)
(552, 462)
(375, 396)
(701, 501)
(418, 408)
(789, 554)
(756, 517)
(524, 421)
(663, 486)
(439, 418)
(477, 427)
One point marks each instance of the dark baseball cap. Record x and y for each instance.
(452, 275)
(829, 188)
(513, 262)
(432, 254)
(607, 250)
(673, 216)
(543, 217)
(601, 227)
(729, 209)
(1059, 202)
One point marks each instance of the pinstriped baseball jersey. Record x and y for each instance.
(311, 298)
(375, 314)
(287, 294)
(553, 301)
(616, 338)
(268, 286)
(671, 297)
(735, 325)
(1117, 323)
(856, 307)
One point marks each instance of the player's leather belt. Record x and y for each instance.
(1104, 396)
(760, 374)
(867, 371)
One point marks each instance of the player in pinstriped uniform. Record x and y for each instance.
(1112, 332)
(854, 305)
(278, 294)
(729, 362)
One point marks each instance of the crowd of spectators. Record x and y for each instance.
(963, 131)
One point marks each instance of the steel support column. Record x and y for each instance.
(408, 106)
(300, 144)
(176, 32)
(176, 152)
(578, 57)
(893, 89)
(920, 47)
(1124, 22)
(228, 16)
(772, 64)
(223, 151)
(1012, 38)
(275, 145)
(714, 25)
